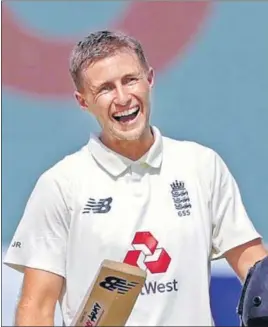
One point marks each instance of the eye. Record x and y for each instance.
(105, 88)
(131, 80)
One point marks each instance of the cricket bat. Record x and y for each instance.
(111, 296)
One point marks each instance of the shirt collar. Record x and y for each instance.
(116, 164)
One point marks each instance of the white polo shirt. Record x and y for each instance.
(170, 212)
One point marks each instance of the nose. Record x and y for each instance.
(122, 97)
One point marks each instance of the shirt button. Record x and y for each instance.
(144, 164)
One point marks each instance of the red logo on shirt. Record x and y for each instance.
(155, 259)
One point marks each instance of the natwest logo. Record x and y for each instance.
(153, 287)
(146, 253)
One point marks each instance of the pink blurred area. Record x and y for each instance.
(29, 58)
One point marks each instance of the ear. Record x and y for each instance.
(150, 77)
(81, 100)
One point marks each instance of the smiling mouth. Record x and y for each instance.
(127, 115)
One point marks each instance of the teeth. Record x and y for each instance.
(127, 112)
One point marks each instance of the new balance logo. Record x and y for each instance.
(112, 283)
(181, 198)
(100, 206)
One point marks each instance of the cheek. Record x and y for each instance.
(143, 96)
(142, 91)
(103, 105)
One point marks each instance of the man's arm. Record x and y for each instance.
(39, 296)
(42, 233)
(243, 257)
(235, 238)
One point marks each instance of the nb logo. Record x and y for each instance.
(112, 283)
(101, 206)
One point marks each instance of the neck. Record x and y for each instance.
(134, 149)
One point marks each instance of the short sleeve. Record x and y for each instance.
(41, 236)
(231, 225)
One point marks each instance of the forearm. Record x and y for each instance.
(38, 299)
(27, 315)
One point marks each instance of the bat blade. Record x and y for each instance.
(112, 295)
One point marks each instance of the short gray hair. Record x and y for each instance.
(99, 45)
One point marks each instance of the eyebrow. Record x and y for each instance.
(98, 87)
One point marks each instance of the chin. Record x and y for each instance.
(129, 135)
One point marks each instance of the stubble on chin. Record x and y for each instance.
(131, 135)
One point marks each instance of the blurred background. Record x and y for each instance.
(211, 63)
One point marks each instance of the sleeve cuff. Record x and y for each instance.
(219, 253)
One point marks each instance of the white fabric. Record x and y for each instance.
(193, 224)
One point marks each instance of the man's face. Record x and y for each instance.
(117, 92)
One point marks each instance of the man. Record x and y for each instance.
(129, 189)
